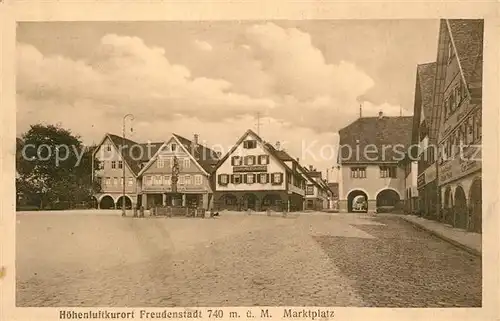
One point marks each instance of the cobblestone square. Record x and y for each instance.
(79, 259)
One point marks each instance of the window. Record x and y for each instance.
(198, 179)
(250, 178)
(236, 178)
(121, 181)
(236, 161)
(113, 164)
(250, 144)
(223, 179)
(148, 180)
(310, 190)
(358, 172)
(250, 160)
(263, 160)
(160, 163)
(157, 180)
(101, 164)
(173, 147)
(263, 178)
(182, 180)
(166, 180)
(108, 181)
(277, 178)
(187, 163)
(388, 171)
(130, 181)
(115, 180)
(188, 179)
(120, 164)
(108, 148)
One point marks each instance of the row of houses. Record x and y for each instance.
(180, 172)
(436, 169)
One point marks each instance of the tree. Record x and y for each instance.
(53, 165)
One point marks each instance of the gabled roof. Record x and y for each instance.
(203, 156)
(134, 156)
(467, 36)
(426, 74)
(377, 132)
(423, 101)
(281, 156)
(206, 157)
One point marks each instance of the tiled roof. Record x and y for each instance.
(206, 157)
(468, 38)
(132, 158)
(426, 74)
(375, 132)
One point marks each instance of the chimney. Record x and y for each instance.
(311, 168)
(194, 145)
(298, 160)
(195, 139)
(278, 145)
(380, 115)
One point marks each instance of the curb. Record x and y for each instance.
(445, 238)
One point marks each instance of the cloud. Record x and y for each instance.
(203, 45)
(123, 72)
(275, 71)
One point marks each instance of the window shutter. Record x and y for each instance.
(281, 178)
(232, 178)
(219, 179)
(245, 178)
(254, 159)
(245, 160)
(257, 179)
(232, 160)
(267, 177)
(259, 160)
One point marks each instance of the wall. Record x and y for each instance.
(103, 154)
(274, 166)
(372, 184)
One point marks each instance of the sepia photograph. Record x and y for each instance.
(249, 163)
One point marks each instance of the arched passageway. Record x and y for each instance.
(387, 200)
(107, 202)
(460, 208)
(448, 206)
(357, 201)
(227, 202)
(128, 202)
(249, 201)
(272, 202)
(476, 202)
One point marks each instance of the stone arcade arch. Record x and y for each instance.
(128, 202)
(107, 202)
(354, 197)
(249, 201)
(460, 208)
(388, 199)
(476, 202)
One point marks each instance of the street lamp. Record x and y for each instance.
(123, 161)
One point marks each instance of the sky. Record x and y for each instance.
(300, 80)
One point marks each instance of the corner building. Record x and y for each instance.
(258, 176)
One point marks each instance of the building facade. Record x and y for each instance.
(317, 194)
(458, 104)
(369, 157)
(194, 165)
(425, 138)
(258, 176)
(148, 172)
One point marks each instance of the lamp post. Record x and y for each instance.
(123, 161)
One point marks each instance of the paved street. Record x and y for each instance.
(239, 260)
